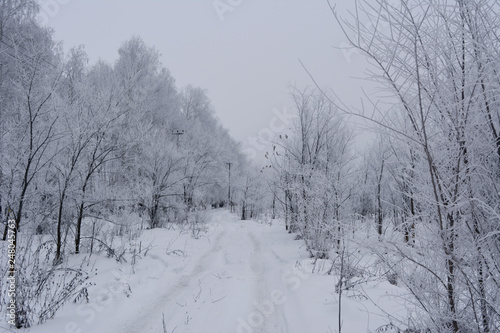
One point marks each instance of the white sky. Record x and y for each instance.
(244, 57)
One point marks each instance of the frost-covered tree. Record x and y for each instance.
(314, 162)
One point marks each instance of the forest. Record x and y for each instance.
(95, 151)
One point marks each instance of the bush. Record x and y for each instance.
(41, 288)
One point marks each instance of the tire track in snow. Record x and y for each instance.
(272, 314)
(148, 318)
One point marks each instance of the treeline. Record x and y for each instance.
(80, 140)
(429, 183)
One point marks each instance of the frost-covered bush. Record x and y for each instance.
(41, 288)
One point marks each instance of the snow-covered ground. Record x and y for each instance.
(239, 276)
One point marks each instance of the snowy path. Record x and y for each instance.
(238, 284)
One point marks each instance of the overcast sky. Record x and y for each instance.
(243, 52)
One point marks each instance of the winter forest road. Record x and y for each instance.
(244, 281)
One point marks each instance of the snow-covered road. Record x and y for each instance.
(242, 282)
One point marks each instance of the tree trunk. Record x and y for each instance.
(274, 206)
(4, 238)
(379, 201)
(79, 228)
(482, 300)
(450, 276)
(243, 211)
(57, 259)
(287, 220)
(92, 238)
(410, 229)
